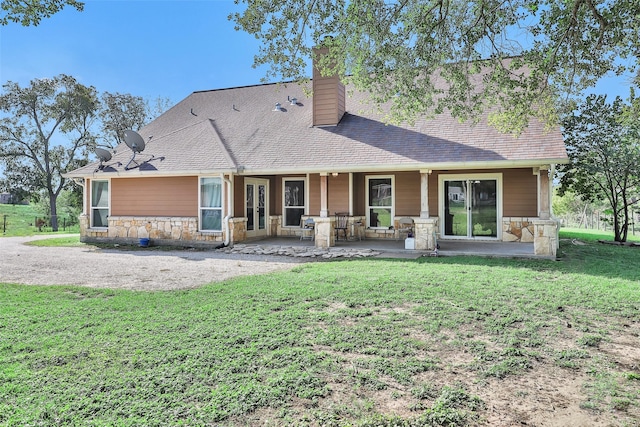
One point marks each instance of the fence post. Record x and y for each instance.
(4, 224)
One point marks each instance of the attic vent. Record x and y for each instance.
(278, 107)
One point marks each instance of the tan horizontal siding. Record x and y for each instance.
(328, 99)
(407, 193)
(520, 189)
(314, 194)
(359, 196)
(338, 193)
(238, 196)
(170, 196)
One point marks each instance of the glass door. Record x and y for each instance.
(470, 208)
(256, 206)
(456, 219)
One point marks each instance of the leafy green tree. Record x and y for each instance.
(19, 179)
(120, 112)
(514, 56)
(31, 12)
(604, 153)
(45, 130)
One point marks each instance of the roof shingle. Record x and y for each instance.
(237, 128)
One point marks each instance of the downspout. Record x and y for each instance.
(551, 187)
(225, 220)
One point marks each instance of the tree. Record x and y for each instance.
(603, 144)
(31, 12)
(121, 112)
(46, 130)
(463, 56)
(20, 180)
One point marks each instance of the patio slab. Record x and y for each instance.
(395, 248)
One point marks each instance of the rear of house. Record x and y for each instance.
(224, 166)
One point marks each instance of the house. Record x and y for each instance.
(224, 166)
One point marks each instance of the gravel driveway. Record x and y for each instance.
(148, 270)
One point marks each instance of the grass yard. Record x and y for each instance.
(447, 341)
(21, 220)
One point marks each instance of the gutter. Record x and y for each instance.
(497, 164)
(225, 220)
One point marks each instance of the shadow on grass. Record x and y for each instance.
(587, 258)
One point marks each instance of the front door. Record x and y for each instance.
(470, 208)
(255, 202)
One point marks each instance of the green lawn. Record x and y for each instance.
(328, 343)
(21, 220)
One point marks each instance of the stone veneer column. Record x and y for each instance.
(84, 224)
(325, 237)
(424, 229)
(275, 222)
(237, 230)
(324, 196)
(545, 197)
(545, 239)
(424, 193)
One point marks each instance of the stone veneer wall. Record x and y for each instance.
(90, 233)
(547, 237)
(161, 229)
(516, 229)
(542, 233)
(238, 228)
(355, 227)
(380, 233)
(425, 232)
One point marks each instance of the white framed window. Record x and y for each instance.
(294, 201)
(470, 205)
(380, 201)
(99, 204)
(210, 204)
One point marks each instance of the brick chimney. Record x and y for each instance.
(328, 96)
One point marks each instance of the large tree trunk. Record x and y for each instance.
(53, 199)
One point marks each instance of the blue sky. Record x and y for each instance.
(149, 48)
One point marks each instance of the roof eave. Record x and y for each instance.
(496, 164)
(139, 174)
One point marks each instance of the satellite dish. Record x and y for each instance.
(103, 154)
(134, 141)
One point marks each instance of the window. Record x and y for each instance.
(380, 201)
(210, 204)
(294, 202)
(99, 204)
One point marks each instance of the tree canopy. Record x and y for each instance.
(52, 126)
(603, 143)
(46, 130)
(523, 57)
(121, 112)
(31, 12)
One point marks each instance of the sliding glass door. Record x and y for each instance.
(470, 207)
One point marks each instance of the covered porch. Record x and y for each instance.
(396, 248)
(471, 207)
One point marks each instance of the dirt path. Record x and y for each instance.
(148, 270)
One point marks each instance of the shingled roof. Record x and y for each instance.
(237, 130)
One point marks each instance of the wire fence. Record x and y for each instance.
(17, 224)
(596, 222)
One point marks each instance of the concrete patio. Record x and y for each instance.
(395, 248)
